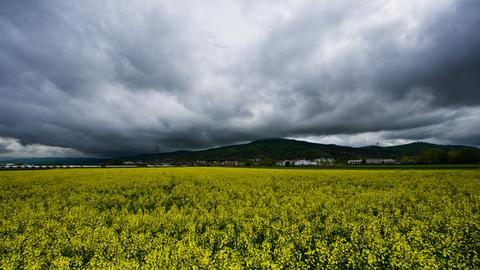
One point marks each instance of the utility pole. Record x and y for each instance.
(157, 154)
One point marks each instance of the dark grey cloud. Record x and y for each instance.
(448, 66)
(362, 75)
(116, 77)
(4, 149)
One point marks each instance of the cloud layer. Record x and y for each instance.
(119, 77)
(12, 148)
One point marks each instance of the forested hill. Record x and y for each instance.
(281, 149)
(284, 149)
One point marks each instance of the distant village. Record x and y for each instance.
(322, 161)
(264, 162)
(372, 161)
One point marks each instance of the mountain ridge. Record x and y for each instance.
(269, 148)
(284, 149)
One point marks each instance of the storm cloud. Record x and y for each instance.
(110, 78)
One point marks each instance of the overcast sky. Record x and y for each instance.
(106, 78)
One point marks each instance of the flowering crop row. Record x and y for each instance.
(216, 218)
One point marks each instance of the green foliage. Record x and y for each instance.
(438, 156)
(217, 218)
(463, 156)
(267, 162)
(407, 160)
(433, 156)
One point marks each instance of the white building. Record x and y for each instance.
(380, 161)
(304, 162)
(324, 161)
(354, 161)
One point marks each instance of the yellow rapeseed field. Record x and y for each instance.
(220, 218)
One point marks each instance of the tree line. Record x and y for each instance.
(438, 156)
